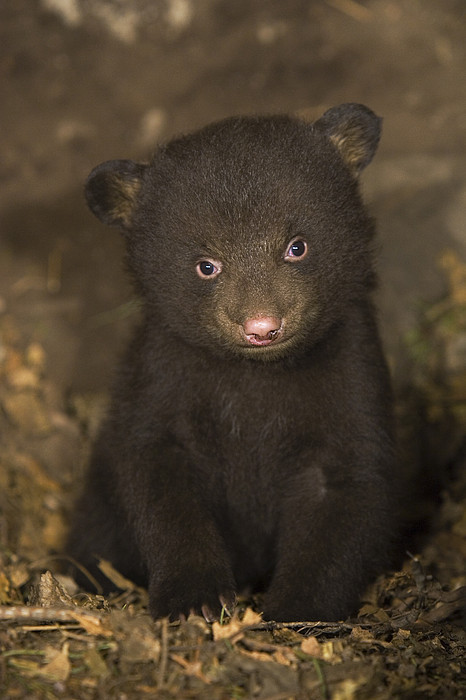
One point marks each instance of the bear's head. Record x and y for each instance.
(250, 234)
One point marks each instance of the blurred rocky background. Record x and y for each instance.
(89, 80)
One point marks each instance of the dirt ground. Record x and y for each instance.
(84, 81)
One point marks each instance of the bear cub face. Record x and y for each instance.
(248, 236)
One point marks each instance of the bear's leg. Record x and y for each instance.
(189, 567)
(329, 548)
(99, 530)
(148, 510)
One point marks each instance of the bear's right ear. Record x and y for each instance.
(111, 191)
(354, 130)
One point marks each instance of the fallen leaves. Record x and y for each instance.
(235, 628)
(311, 646)
(36, 437)
(446, 604)
(93, 624)
(57, 668)
(26, 412)
(191, 668)
(95, 663)
(98, 644)
(4, 589)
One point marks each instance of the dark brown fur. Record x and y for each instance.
(223, 465)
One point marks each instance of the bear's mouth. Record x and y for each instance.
(275, 345)
(261, 340)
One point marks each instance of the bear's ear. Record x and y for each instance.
(111, 191)
(355, 131)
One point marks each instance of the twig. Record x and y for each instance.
(308, 627)
(17, 613)
(337, 628)
(163, 655)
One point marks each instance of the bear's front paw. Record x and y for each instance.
(179, 596)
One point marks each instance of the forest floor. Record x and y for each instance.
(83, 82)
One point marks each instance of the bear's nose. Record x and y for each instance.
(262, 330)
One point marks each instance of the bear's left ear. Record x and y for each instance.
(355, 131)
(111, 191)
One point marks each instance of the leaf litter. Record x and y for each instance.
(408, 640)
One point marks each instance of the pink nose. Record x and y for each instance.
(262, 330)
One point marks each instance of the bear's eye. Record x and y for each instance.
(208, 268)
(296, 250)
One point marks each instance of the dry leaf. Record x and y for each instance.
(235, 626)
(311, 646)
(4, 589)
(95, 663)
(228, 631)
(92, 624)
(285, 657)
(257, 655)
(361, 635)
(191, 668)
(348, 689)
(58, 669)
(381, 615)
(251, 618)
(27, 412)
(331, 651)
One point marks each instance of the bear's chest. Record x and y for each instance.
(244, 442)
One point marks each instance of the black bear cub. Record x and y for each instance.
(249, 443)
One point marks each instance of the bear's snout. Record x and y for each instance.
(262, 330)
